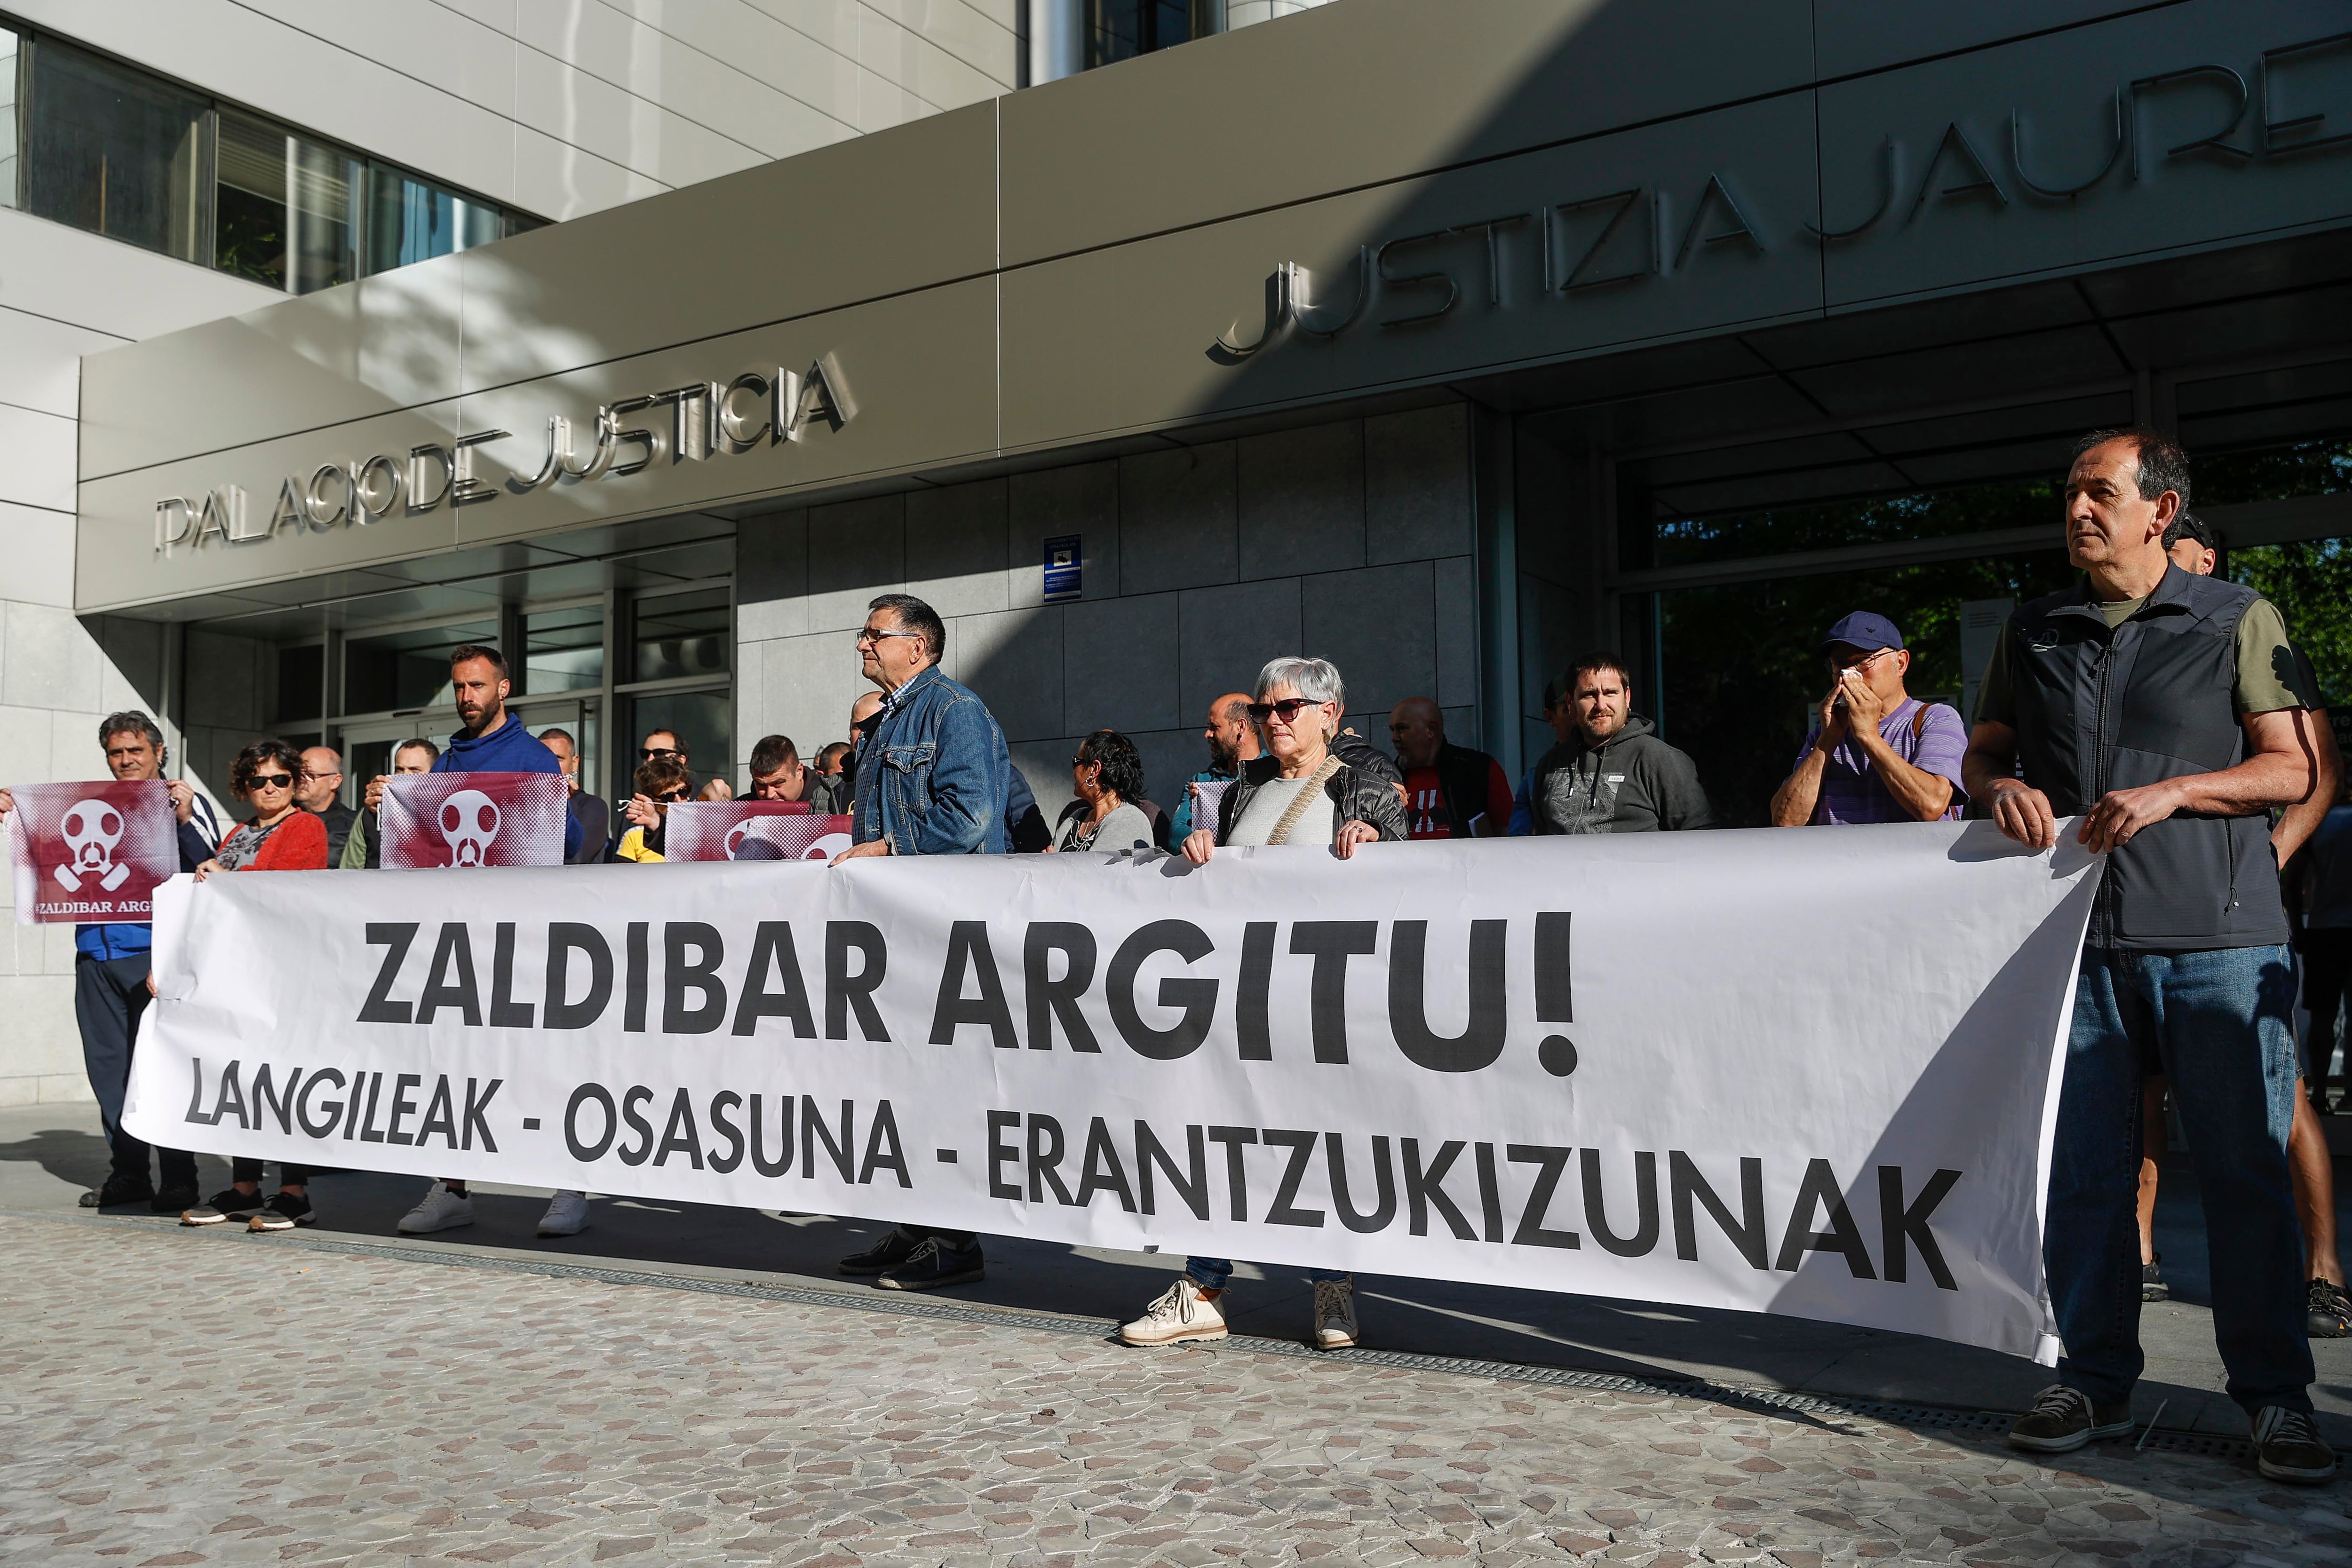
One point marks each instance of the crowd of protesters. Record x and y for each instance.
(2164, 706)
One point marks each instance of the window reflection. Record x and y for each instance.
(115, 152)
(564, 650)
(403, 669)
(683, 635)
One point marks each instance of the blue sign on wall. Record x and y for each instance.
(1062, 566)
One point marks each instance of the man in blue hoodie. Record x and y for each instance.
(491, 740)
(111, 971)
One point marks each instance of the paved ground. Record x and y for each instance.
(171, 1398)
(49, 1153)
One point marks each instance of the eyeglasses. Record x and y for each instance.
(1288, 708)
(650, 752)
(670, 800)
(875, 635)
(1839, 666)
(270, 782)
(310, 778)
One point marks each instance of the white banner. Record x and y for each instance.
(1798, 1071)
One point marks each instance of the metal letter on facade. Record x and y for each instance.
(290, 509)
(1955, 142)
(2066, 193)
(557, 461)
(419, 501)
(314, 500)
(728, 434)
(1302, 290)
(1716, 194)
(174, 519)
(610, 419)
(1582, 276)
(1891, 157)
(364, 509)
(2213, 143)
(1380, 270)
(465, 489)
(2272, 146)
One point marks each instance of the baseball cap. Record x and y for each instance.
(1866, 631)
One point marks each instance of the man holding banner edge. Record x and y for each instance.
(2191, 732)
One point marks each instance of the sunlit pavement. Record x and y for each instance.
(176, 1396)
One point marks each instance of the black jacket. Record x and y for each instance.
(1357, 795)
(1462, 778)
(2150, 700)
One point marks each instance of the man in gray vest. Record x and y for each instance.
(2161, 707)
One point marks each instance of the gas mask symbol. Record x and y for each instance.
(92, 829)
(469, 820)
(744, 842)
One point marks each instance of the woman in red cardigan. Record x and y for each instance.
(280, 836)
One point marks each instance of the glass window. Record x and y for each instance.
(250, 201)
(1646, 540)
(1741, 669)
(703, 724)
(115, 152)
(411, 220)
(564, 650)
(2273, 473)
(406, 669)
(8, 160)
(301, 682)
(683, 635)
(1122, 29)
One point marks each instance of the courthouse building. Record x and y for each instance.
(1444, 340)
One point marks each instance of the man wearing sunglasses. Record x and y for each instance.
(932, 773)
(1876, 753)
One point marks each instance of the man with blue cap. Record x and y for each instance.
(1876, 753)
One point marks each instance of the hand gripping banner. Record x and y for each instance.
(437, 820)
(1804, 1071)
(751, 830)
(91, 852)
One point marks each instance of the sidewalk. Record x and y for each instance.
(49, 1155)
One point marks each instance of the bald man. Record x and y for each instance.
(1450, 792)
(1232, 740)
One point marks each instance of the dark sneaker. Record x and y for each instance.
(2287, 1447)
(174, 1198)
(284, 1211)
(122, 1189)
(2063, 1419)
(2152, 1287)
(894, 1248)
(932, 1265)
(229, 1204)
(2327, 1311)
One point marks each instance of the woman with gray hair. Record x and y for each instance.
(1297, 792)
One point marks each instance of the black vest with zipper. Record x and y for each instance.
(2100, 709)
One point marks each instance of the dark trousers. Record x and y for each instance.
(242, 1169)
(108, 996)
(2327, 967)
(2222, 1023)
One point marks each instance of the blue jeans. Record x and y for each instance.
(2222, 1022)
(1211, 1273)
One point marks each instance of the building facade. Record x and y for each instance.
(1445, 342)
(165, 164)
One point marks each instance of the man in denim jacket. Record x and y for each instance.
(932, 772)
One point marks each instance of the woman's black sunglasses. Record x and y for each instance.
(1288, 708)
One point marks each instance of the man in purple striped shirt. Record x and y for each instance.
(1877, 754)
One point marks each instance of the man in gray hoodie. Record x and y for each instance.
(1610, 773)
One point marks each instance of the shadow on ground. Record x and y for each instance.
(49, 1153)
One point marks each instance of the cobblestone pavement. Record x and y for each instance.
(169, 1397)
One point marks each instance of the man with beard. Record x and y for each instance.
(1231, 742)
(1610, 773)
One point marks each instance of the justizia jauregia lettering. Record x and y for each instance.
(1582, 244)
(692, 978)
(757, 409)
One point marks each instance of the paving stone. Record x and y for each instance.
(305, 1407)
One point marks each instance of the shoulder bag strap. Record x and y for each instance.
(1297, 808)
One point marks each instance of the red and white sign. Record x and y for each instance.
(435, 820)
(751, 830)
(91, 852)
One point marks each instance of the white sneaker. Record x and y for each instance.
(439, 1209)
(567, 1215)
(1181, 1313)
(1335, 1313)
